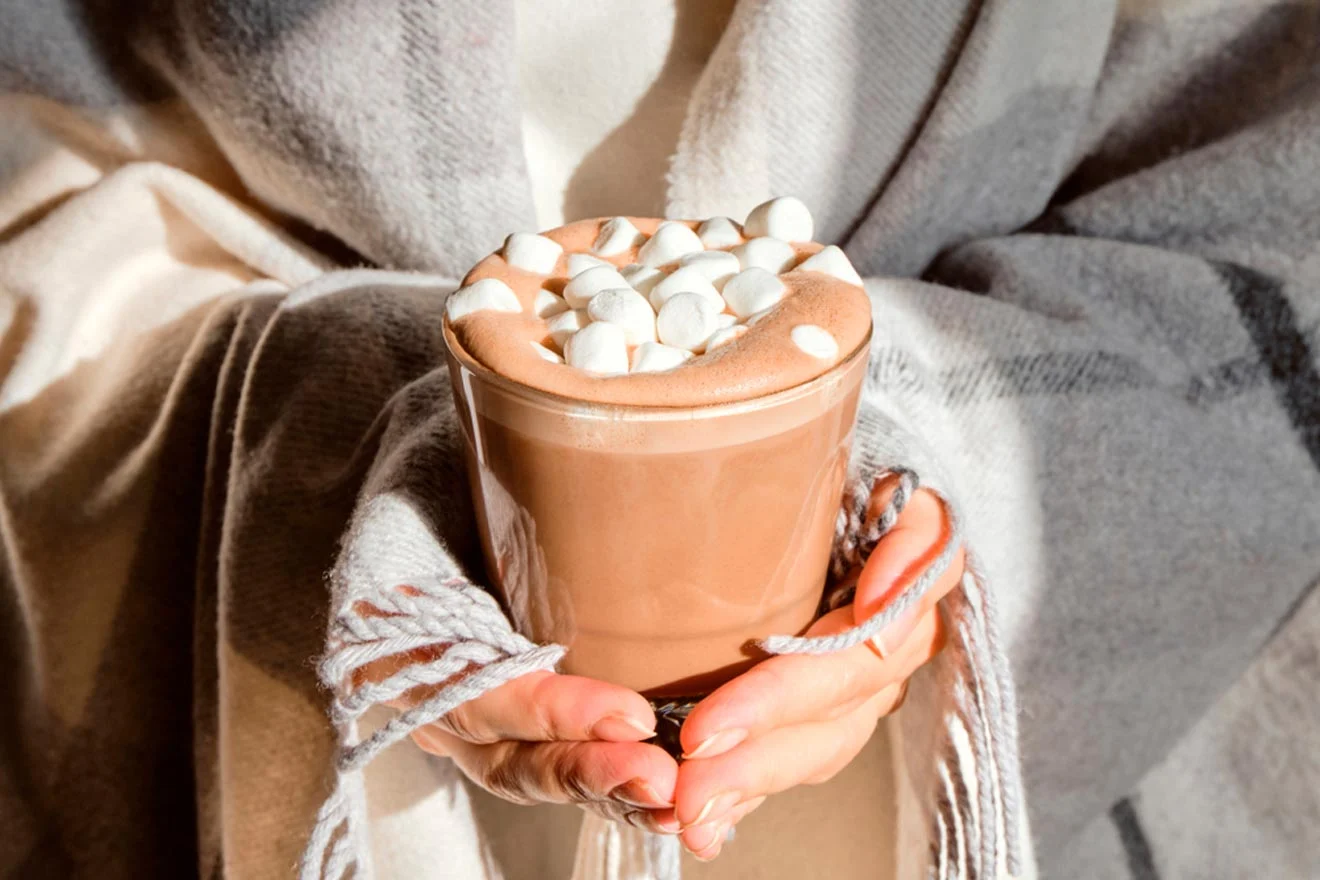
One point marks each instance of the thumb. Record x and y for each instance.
(900, 558)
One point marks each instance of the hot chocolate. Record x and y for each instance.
(658, 417)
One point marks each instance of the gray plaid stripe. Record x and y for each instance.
(1283, 348)
(1141, 865)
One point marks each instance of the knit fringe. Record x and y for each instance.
(479, 651)
(983, 802)
(609, 850)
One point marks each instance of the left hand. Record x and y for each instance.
(801, 718)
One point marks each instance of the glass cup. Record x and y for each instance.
(657, 543)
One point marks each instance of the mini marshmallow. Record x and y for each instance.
(724, 319)
(628, 309)
(753, 290)
(579, 263)
(532, 253)
(685, 279)
(671, 241)
(686, 321)
(642, 278)
(579, 291)
(546, 353)
(815, 341)
(488, 293)
(770, 254)
(717, 266)
(548, 304)
(598, 348)
(719, 232)
(656, 357)
(562, 326)
(832, 261)
(723, 335)
(616, 236)
(785, 218)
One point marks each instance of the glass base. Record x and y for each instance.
(670, 713)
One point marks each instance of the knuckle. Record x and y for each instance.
(573, 786)
(538, 711)
(460, 723)
(505, 777)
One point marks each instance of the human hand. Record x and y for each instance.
(801, 718)
(550, 738)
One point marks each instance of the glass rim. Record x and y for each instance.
(532, 394)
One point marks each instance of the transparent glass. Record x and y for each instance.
(656, 542)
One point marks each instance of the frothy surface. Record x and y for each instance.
(760, 361)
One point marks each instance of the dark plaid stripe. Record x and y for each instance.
(1269, 318)
(1135, 845)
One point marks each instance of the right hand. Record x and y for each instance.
(560, 739)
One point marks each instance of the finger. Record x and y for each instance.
(545, 706)
(654, 821)
(636, 775)
(806, 753)
(904, 554)
(717, 833)
(783, 691)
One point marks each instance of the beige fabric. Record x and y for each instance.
(604, 88)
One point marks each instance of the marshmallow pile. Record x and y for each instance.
(689, 292)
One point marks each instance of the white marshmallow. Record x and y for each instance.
(685, 279)
(753, 320)
(616, 236)
(770, 254)
(548, 304)
(717, 266)
(723, 335)
(642, 278)
(565, 324)
(753, 290)
(579, 263)
(686, 321)
(579, 291)
(719, 232)
(724, 319)
(832, 261)
(785, 218)
(671, 241)
(598, 348)
(488, 293)
(815, 341)
(546, 353)
(628, 309)
(656, 357)
(532, 253)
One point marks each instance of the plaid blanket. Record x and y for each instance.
(1090, 233)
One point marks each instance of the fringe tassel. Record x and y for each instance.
(611, 851)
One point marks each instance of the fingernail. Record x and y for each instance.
(717, 744)
(718, 806)
(668, 826)
(892, 637)
(639, 793)
(706, 836)
(712, 849)
(621, 728)
(647, 821)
